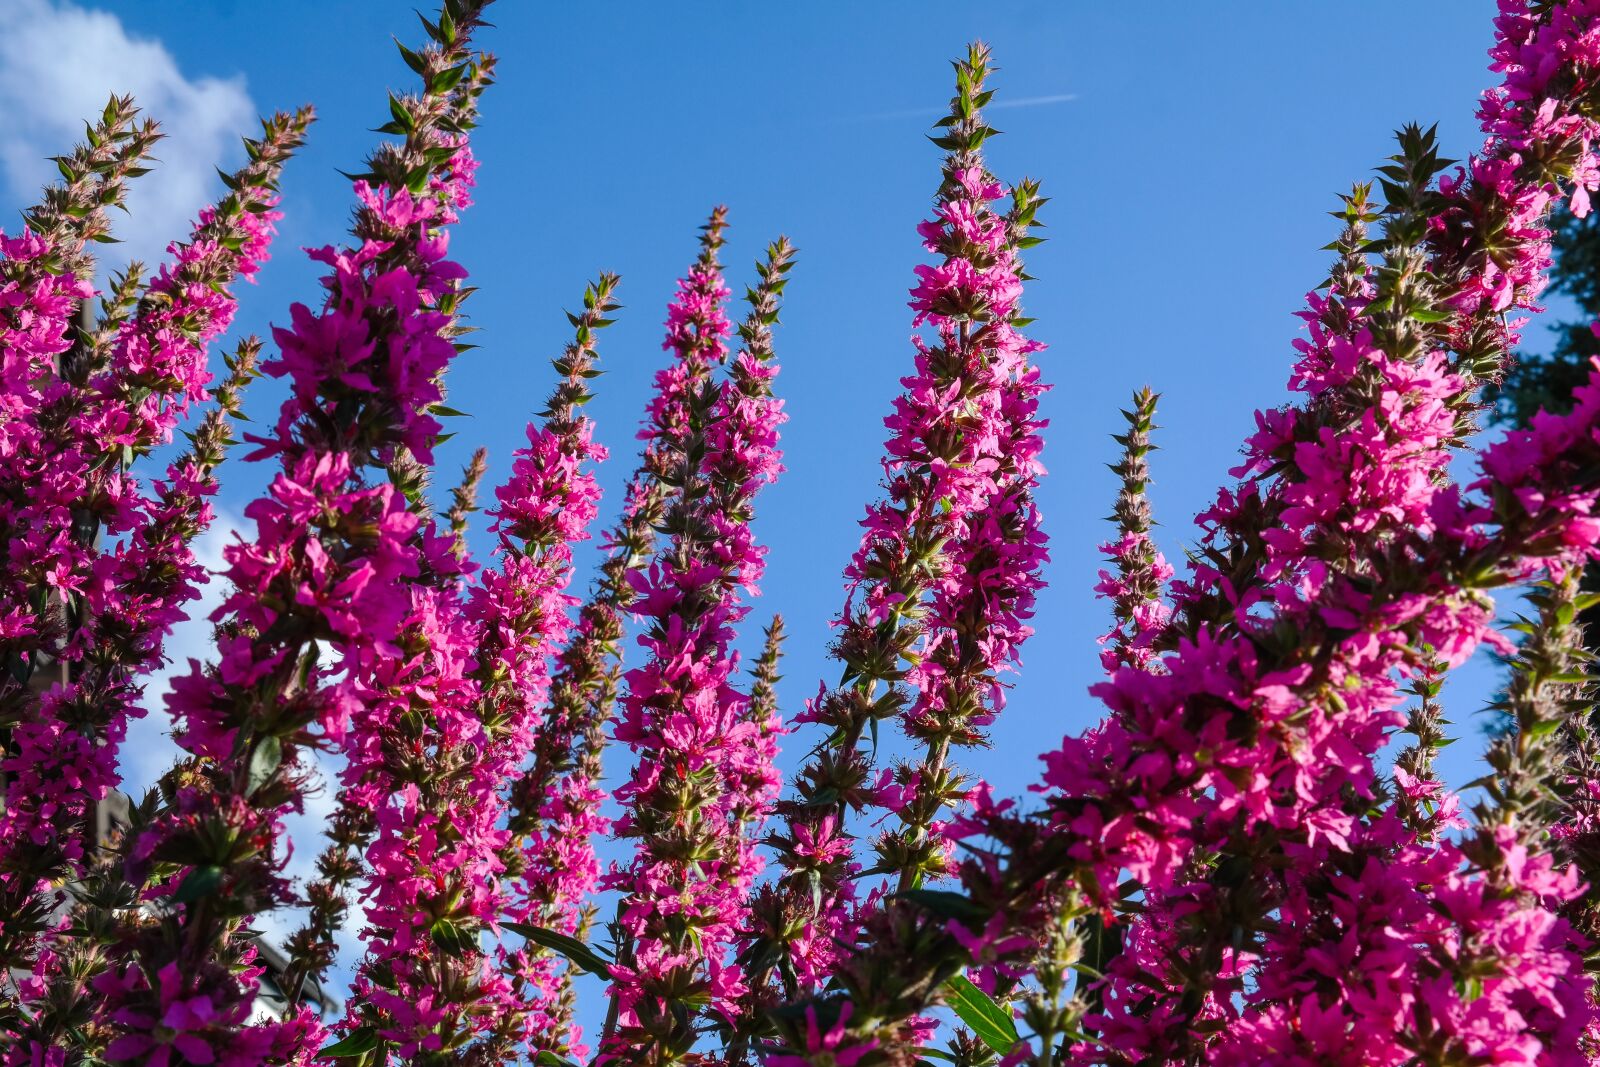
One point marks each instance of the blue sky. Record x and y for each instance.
(1192, 152)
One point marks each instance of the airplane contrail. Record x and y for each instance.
(933, 113)
(1035, 101)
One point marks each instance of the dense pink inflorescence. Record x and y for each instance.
(309, 642)
(39, 305)
(70, 474)
(705, 765)
(1221, 872)
(941, 588)
(1401, 925)
(1129, 641)
(154, 573)
(980, 495)
(96, 617)
(1346, 562)
(1394, 926)
(520, 611)
(1364, 515)
(996, 548)
(433, 881)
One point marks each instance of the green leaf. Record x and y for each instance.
(1544, 728)
(355, 1043)
(402, 117)
(991, 1022)
(264, 762)
(944, 903)
(546, 1058)
(582, 956)
(200, 882)
(413, 60)
(1585, 601)
(447, 79)
(452, 939)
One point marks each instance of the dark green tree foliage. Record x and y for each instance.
(1535, 382)
(1547, 381)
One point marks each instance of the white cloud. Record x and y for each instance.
(58, 64)
(150, 750)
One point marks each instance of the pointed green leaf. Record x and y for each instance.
(991, 1022)
(452, 939)
(944, 903)
(202, 881)
(582, 956)
(355, 1043)
(265, 760)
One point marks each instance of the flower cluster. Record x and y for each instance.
(332, 571)
(942, 585)
(1350, 494)
(1142, 571)
(95, 618)
(704, 773)
(1221, 871)
(544, 509)
(1233, 781)
(980, 482)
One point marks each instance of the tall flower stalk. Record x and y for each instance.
(555, 802)
(705, 769)
(1136, 589)
(519, 612)
(979, 454)
(942, 583)
(101, 617)
(152, 574)
(441, 117)
(327, 574)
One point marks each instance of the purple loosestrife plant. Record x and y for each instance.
(555, 803)
(44, 276)
(943, 581)
(117, 396)
(705, 768)
(325, 576)
(1426, 293)
(449, 105)
(1219, 872)
(152, 574)
(543, 510)
(1142, 840)
(978, 445)
(1135, 590)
